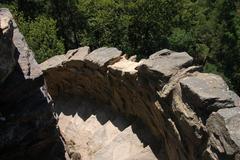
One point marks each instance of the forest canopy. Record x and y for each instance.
(209, 30)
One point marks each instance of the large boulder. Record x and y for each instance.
(160, 66)
(206, 93)
(224, 128)
(103, 56)
(166, 62)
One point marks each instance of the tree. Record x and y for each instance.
(41, 35)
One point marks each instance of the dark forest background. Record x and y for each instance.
(209, 30)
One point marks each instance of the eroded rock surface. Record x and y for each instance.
(207, 93)
(96, 132)
(225, 135)
(7, 61)
(27, 125)
(110, 107)
(169, 95)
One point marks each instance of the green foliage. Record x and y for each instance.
(181, 40)
(107, 24)
(209, 30)
(41, 34)
(39, 30)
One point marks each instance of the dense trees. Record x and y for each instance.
(39, 29)
(209, 30)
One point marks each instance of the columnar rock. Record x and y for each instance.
(27, 125)
(173, 98)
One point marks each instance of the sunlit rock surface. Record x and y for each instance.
(106, 106)
(172, 98)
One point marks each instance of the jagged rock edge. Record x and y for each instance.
(163, 92)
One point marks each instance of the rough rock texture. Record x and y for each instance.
(173, 98)
(7, 61)
(96, 133)
(110, 107)
(27, 125)
(207, 93)
(224, 127)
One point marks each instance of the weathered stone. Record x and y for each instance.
(100, 98)
(206, 93)
(70, 53)
(53, 62)
(76, 60)
(26, 60)
(124, 66)
(7, 49)
(71, 58)
(27, 125)
(174, 80)
(224, 128)
(78, 54)
(166, 62)
(103, 56)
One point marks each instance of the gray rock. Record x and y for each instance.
(13, 45)
(79, 54)
(53, 62)
(26, 60)
(166, 62)
(27, 126)
(224, 128)
(206, 93)
(71, 52)
(71, 58)
(232, 122)
(103, 56)
(76, 59)
(7, 49)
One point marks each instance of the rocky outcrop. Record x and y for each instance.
(27, 125)
(223, 126)
(193, 115)
(92, 131)
(7, 61)
(111, 107)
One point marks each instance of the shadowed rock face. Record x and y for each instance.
(171, 97)
(27, 125)
(7, 61)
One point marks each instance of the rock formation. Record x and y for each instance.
(7, 61)
(27, 125)
(111, 107)
(181, 106)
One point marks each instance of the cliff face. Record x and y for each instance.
(27, 125)
(194, 115)
(110, 106)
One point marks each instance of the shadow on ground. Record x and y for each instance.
(71, 106)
